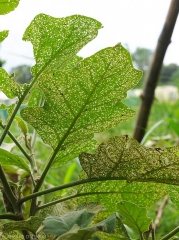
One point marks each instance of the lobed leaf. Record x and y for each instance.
(57, 40)
(125, 159)
(3, 34)
(134, 217)
(8, 159)
(83, 100)
(7, 6)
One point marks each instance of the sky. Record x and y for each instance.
(136, 23)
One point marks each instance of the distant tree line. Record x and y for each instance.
(169, 74)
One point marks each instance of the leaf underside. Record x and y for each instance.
(125, 159)
(83, 100)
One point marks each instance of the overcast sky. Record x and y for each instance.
(137, 23)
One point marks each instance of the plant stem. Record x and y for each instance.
(65, 186)
(71, 197)
(160, 212)
(170, 234)
(7, 190)
(26, 235)
(9, 216)
(21, 149)
(154, 71)
(17, 143)
(6, 129)
(153, 233)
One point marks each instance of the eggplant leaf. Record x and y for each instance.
(80, 99)
(124, 158)
(7, 158)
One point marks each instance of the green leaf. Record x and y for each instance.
(90, 102)
(9, 87)
(22, 125)
(73, 226)
(57, 40)
(7, 6)
(173, 192)
(134, 217)
(37, 98)
(104, 192)
(3, 34)
(174, 125)
(31, 224)
(143, 194)
(60, 225)
(7, 158)
(124, 158)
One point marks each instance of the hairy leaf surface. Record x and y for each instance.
(7, 158)
(134, 217)
(3, 35)
(74, 225)
(83, 100)
(124, 158)
(7, 6)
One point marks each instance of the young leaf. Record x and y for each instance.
(7, 158)
(74, 229)
(90, 102)
(125, 159)
(134, 217)
(7, 6)
(3, 34)
(60, 225)
(57, 40)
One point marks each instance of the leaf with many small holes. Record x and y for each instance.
(83, 100)
(124, 158)
(106, 193)
(7, 158)
(31, 224)
(143, 193)
(57, 40)
(3, 35)
(7, 6)
(9, 87)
